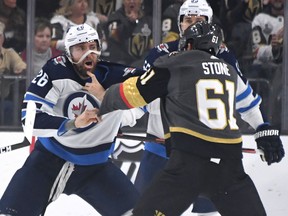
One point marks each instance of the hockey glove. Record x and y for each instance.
(268, 140)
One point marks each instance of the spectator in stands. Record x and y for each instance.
(267, 35)
(267, 41)
(170, 31)
(10, 64)
(130, 34)
(42, 49)
(70, 13)
(236, 17)
(148, 5)
(104, 8)
(42, 8)
(15, 21)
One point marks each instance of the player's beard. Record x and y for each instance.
(82, 72)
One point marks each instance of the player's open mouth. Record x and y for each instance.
(88, 64)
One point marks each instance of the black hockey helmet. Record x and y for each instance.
(202, 36)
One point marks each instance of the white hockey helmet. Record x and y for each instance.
(194, 7)
(80, 34)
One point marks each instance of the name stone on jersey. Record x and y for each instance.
(218, 68)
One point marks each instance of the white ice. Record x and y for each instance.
(271, 181)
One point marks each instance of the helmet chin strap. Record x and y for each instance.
(98, 53)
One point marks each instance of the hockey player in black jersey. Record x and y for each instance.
(198, 93)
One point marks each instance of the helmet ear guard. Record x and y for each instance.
(80, 34)
(202, 36)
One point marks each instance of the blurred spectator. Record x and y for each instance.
(44, 8)
(267, 35)
(236, 17)
(14, 19)
(42, 41)
(170, 31)
(10, 64)
(103, 8)
(130, 34)
(147, 6)
(267, 41)
(71, 12)
(216, 5)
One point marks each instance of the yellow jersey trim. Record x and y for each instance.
(205, 137)
(132, 94)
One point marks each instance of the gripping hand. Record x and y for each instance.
(268, 140)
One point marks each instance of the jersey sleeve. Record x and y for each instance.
(158, 51)
(44, 94)
(247, 100)
(136, 91)
(248, 105)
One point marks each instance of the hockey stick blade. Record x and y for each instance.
(12, 147)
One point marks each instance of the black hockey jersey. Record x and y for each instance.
(198, 94)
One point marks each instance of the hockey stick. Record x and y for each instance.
(12, 147)
(28, 130)
(140, 138)
(159, 140)
(119, 136)
(29, 120)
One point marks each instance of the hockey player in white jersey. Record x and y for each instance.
(71, 154)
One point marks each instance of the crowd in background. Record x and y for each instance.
(253, 30)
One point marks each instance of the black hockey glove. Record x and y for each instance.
(268, 140)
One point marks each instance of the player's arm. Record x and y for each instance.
(45, 95)
(157, 51)
(267, 137)
(247, 100)
(136, 91)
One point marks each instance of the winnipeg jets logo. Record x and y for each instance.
(60, 60)
(77, 102)
(163, 47)
(78, 109)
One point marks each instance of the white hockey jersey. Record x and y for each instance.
(57, 91)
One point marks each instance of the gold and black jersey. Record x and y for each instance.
(197, 94)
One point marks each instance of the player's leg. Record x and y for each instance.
(175, 188)
(150, 165)
(29, 189)
(105, 187)
(237, 194)
(204, 206)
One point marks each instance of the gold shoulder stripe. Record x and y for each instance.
(205, 137)
(132, 93)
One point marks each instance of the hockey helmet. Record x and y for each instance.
(203, 36)
(80, 34)
(194, 7)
